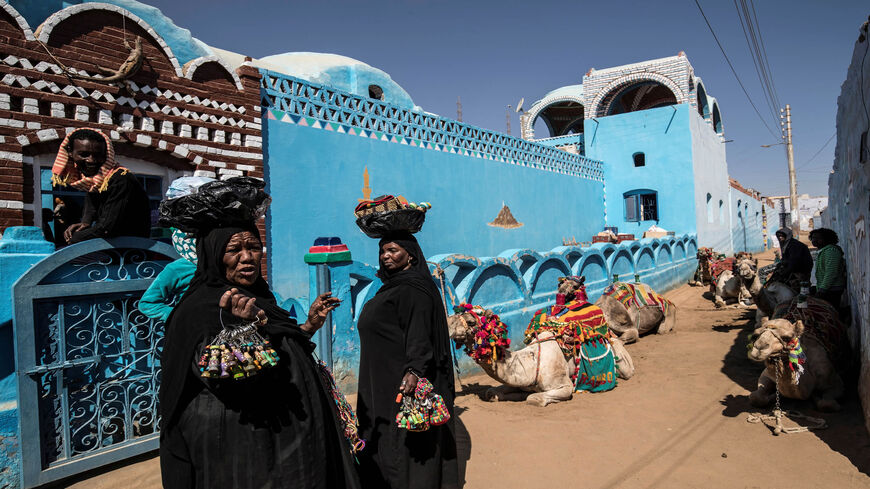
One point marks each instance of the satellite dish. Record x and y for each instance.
(520, 104)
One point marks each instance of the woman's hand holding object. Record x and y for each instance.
(320, 308)
(241, 306)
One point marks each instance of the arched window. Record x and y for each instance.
(641, 205)
(721, 212)
(709, 208)
(641, 95)
(560, 118)
(739, 213)
(639, 159)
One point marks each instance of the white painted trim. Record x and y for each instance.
(191, 66)
(44, 30)
(28, 32)
(594, 109)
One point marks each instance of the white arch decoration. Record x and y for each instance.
(22, 23)
(595, 109)
(43, 32)
(541, 105)
(191, 66)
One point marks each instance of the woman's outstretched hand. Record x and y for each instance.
(240, 305)
(323, 305)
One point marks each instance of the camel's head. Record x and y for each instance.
(746, 267)
(461, 325)
(771, 339)
(572, 287)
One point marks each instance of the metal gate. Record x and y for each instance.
(88, 362)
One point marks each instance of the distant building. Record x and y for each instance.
(660, 137)
(809, 209)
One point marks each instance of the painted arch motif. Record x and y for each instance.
(639, 91)
(562, 115)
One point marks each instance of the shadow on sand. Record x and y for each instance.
(846, 433)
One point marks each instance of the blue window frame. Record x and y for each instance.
(641, 205)
(153, 186)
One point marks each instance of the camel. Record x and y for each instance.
(770, 296)
(743, 285)
(702, 273)
(819, 379)
(540, 368)
(629, 318)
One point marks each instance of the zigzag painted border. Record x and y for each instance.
(278, 115)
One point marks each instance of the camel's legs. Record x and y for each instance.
(669, 322)
(556, 395)
(629, 336)
(827, 399)
(764, 395)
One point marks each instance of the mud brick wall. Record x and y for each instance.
(200, 118)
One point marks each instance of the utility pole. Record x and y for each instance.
(507, 119)
(458, 108)
(792, 180)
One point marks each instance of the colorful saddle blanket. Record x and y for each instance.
(822, 322)
(639, 295)
(719, 266)
(582, 334)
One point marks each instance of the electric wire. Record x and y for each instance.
(818, 152)
(752, 34)
(734, 71)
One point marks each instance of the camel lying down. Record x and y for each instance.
(797, 356)
(540, 368)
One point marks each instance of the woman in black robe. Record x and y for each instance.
(275, 429)
(403, 336)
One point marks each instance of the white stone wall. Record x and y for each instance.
(849, 209)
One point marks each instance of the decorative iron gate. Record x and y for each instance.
(88, 362)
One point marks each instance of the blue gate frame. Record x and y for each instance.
(87, 361)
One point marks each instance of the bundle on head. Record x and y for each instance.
(236, 201)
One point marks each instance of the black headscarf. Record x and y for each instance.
(419, 277)
(197, 318)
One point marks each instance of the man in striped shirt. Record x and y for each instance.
(830, 266)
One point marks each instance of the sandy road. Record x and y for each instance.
(679, 423)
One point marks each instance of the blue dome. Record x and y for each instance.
(183, 45)
(341, 72)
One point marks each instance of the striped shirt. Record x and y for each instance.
(830, 268)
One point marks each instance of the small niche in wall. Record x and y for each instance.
(376, 92)
(639, 159)
(864, 150)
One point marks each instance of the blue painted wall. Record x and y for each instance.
(315, 176)
(664, 136)
(746, 222)
(514, 284)
(20, 249)
(711, 178)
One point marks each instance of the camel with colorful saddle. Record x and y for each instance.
(803, 348)
(736, 278)
(568, 348)
(633, 309)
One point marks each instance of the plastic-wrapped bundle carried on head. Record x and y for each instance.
(237, 201)
(186, 186)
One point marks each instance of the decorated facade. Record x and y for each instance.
(324, 132)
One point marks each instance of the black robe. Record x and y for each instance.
(404, 327)
(276, 429)
(122, 209)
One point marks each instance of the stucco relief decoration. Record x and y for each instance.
(505, 219)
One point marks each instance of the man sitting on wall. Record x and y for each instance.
(115, 203)
(796, 263)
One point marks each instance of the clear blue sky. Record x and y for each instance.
(491, 53)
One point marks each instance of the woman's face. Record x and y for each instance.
(394, 258)
(242, 258)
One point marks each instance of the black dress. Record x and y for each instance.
(276, 429)
(404, 327)
(120, 210)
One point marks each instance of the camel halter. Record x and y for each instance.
(778, 413)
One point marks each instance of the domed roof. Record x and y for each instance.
(574, 92)
(340, 72)
(184, 46)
